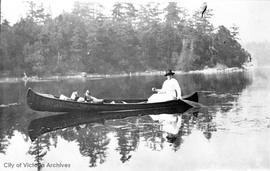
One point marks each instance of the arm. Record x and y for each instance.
(158, 90)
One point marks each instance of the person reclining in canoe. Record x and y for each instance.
(74, 97)
(170, 90)
(91, 99)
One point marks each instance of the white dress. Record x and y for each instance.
(170, 91)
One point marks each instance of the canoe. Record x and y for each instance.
(46, 102)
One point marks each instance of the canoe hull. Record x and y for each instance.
(41, 102)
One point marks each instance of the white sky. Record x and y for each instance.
(252, 16)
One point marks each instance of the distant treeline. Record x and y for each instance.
(126, 39)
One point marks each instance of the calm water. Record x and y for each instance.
(231, 133)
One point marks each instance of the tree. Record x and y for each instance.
(34, 58)
(235, 32)
(6, 43)
(37, 13)
(172, 42)
(202, 38)
(127, 40)
(228, 49)
(172, 14)
(202, 24)
(117, 12)
(149, 15)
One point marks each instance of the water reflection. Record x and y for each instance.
(91, 132)
(39, 149)
(97, 136)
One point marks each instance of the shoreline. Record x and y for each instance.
(82, 75)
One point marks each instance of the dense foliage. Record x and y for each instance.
(126, 40)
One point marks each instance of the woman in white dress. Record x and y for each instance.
(170, 90)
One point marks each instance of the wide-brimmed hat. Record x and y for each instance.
(169, 72)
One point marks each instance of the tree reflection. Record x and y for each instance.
(11, 120)
(128, 139)
(6, 132)
(206, 124)
(155, 139)
(39, 149)
(4, 143)
(93, 143)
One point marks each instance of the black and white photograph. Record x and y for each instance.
(134, 85)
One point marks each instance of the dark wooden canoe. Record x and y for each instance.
(45, 102)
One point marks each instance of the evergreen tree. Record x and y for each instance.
(127, 40)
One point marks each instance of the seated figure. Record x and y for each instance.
(74, 96)
(170, 90)
(91, 99)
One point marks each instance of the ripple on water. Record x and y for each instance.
(238, 113)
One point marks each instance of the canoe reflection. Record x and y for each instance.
(43, 125)
(91, 132)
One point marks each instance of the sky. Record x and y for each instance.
(251, 16)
